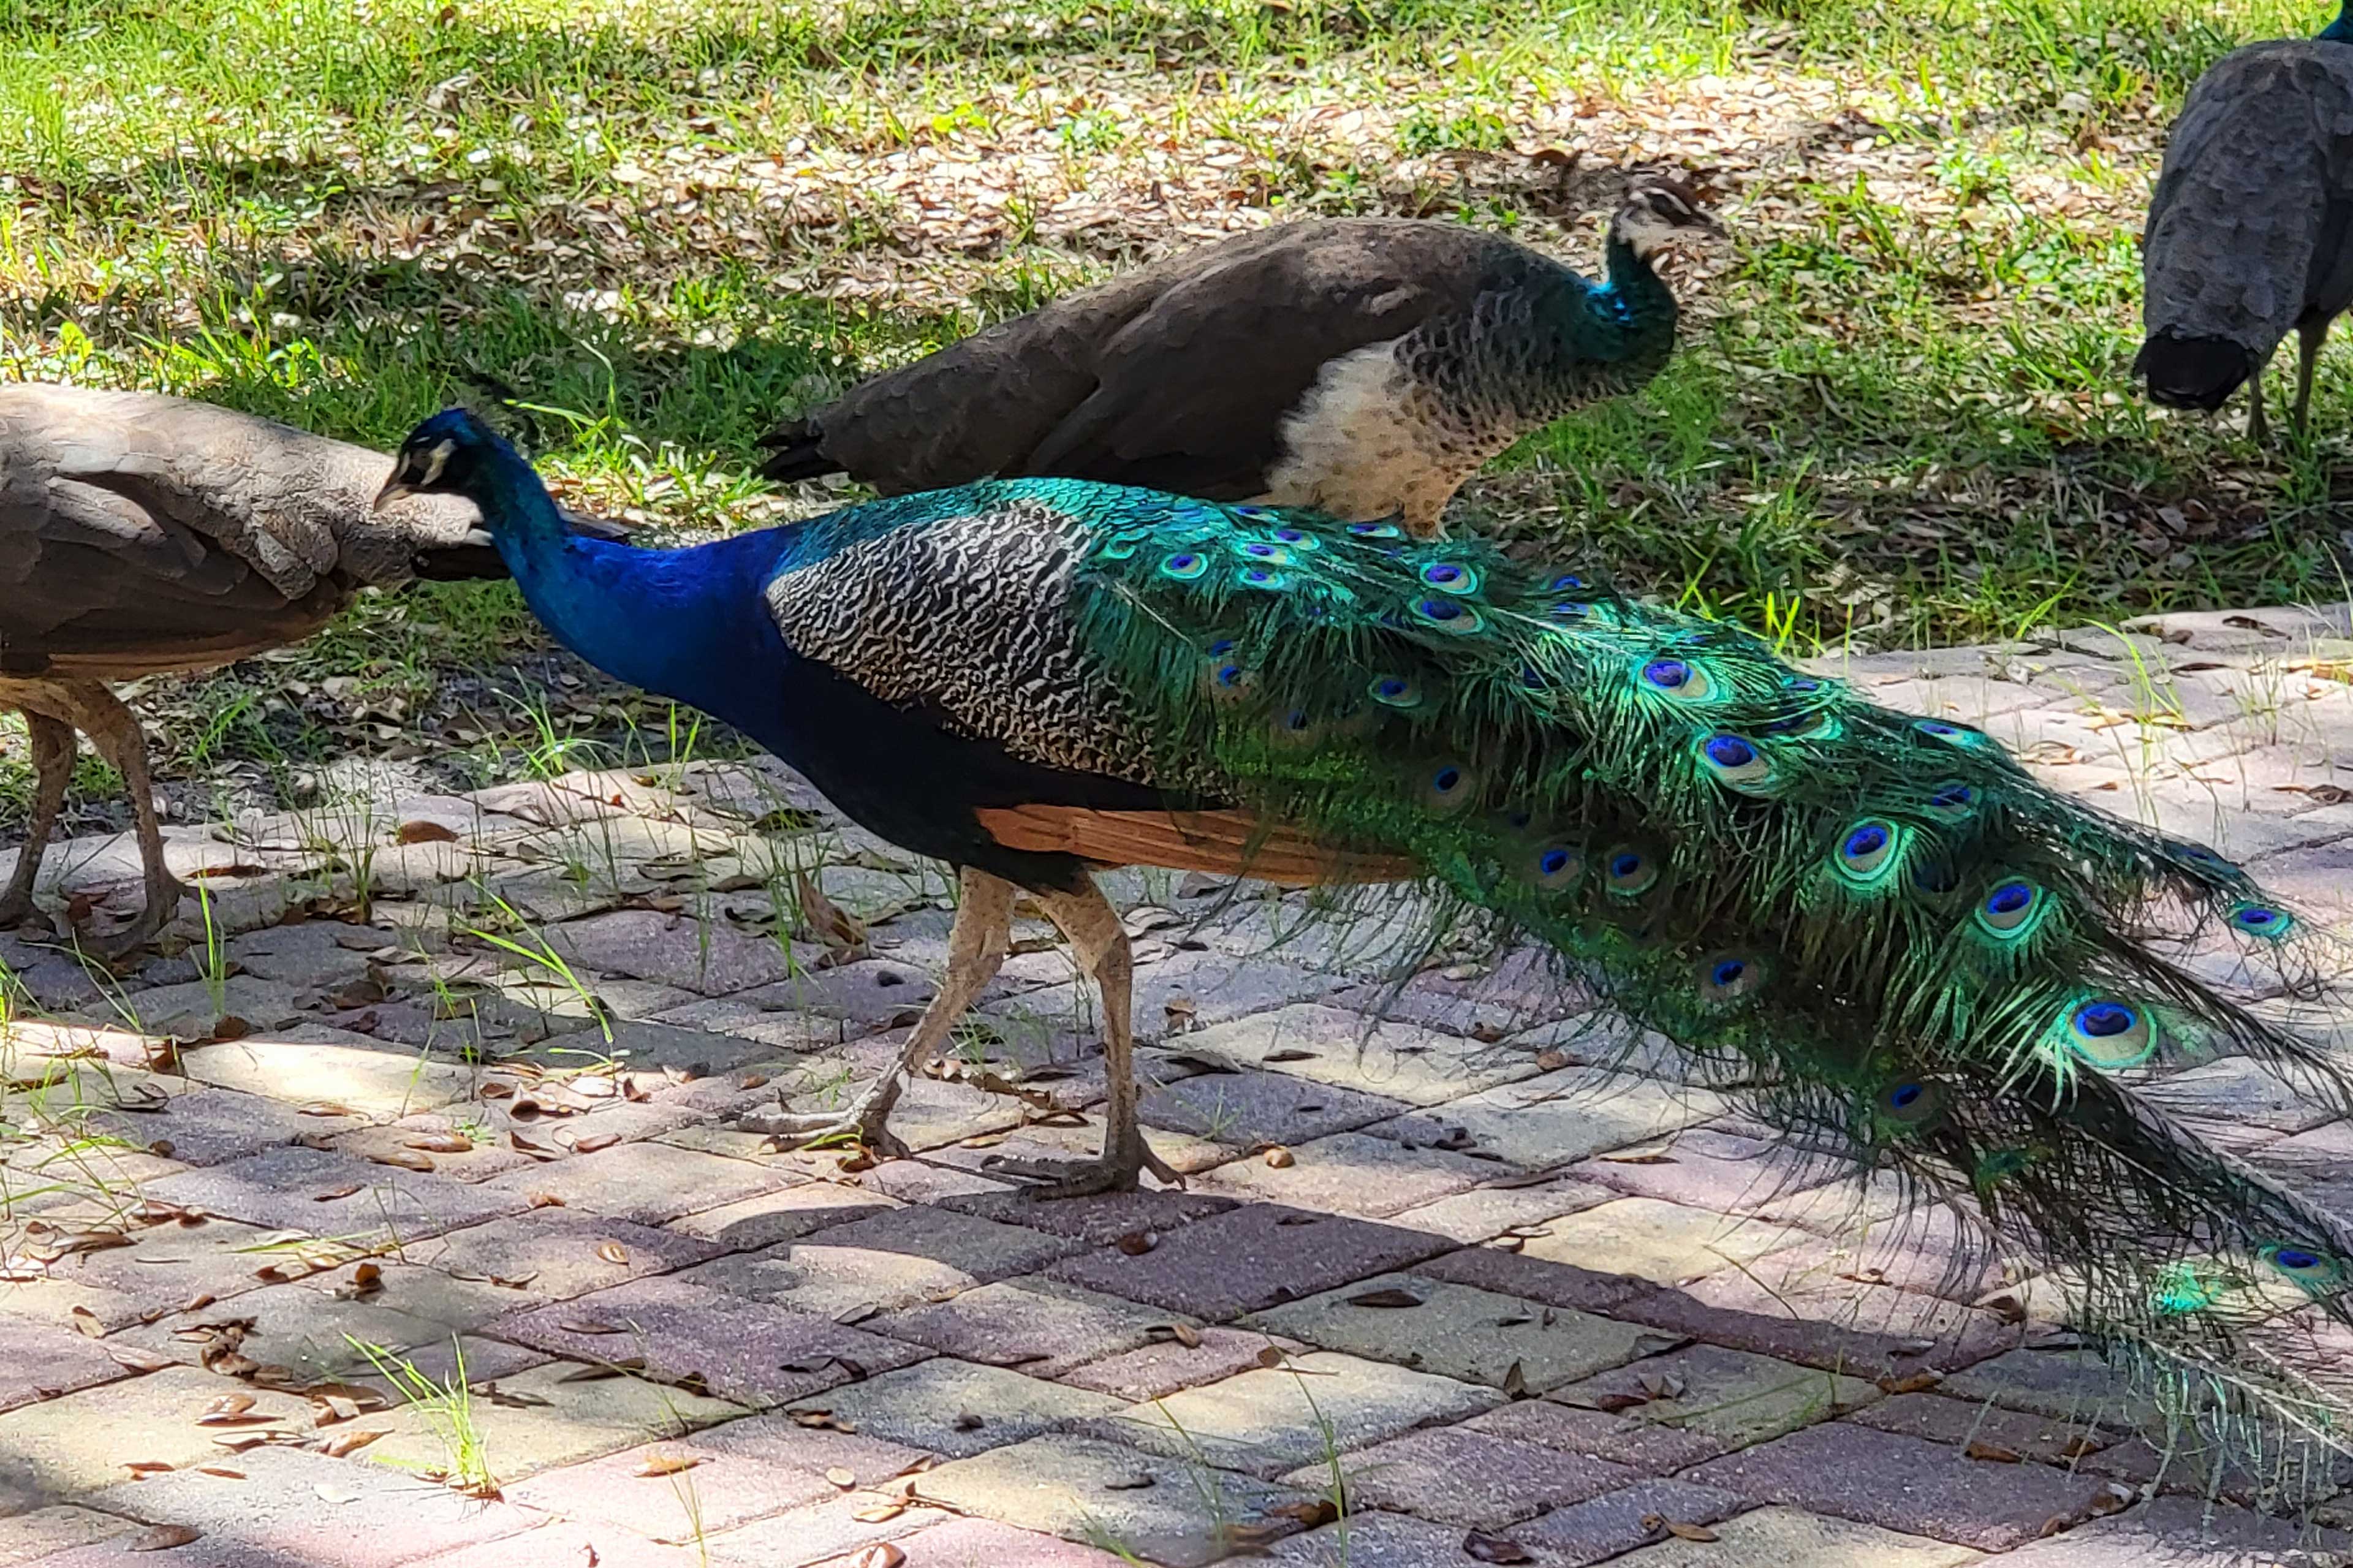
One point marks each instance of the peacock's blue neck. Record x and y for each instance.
(672, 621)
(2340, 31)
(1638, 295)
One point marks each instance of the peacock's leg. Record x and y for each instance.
(2258, 430)
(2310, 335)
(1100, 943)
(53, 756)
(114, 730)
(976, 944)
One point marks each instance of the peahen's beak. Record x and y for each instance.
(394, 489)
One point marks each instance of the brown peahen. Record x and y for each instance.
(2250, 231)
(1362, 366)
(141, 533)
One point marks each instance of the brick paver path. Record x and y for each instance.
(349, 1236)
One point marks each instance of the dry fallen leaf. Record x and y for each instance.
(162, 1538)
(424, 832)
(443, 1143)
(1683, 1531)
(667, 1464)
(882, 1554)
(1281, 1158)
(1992, 1453)
(149, 1466)
(844, 1479)
(1482, 1548)
(594, 1142)
(344, 1444)
(1137, 1243)
(613, 1253)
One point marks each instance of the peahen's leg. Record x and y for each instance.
(2258, 430)
(2310, 335)
(976, 944)
(114, 730)
(53, 757)
(1100, 943)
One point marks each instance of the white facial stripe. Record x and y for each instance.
(437, 460)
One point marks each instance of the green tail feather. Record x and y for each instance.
(1929, 958)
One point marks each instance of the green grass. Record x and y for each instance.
(1902, 410)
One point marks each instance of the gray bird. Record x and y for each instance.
(140, 534)
(2248, 233)
(1364, 367)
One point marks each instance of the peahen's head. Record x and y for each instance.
(448, 454)
(1660, 212)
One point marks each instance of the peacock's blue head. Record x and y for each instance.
(447, 454)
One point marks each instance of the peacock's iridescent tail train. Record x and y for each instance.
(1915, 952)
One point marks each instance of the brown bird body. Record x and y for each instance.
(1364, 367)
(141, 533)
(2251, 229)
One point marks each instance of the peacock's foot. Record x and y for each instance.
(1119, 1170)
(864, 1121)
(163, 903)
(16, 911)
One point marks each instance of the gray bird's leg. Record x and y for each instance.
(53, 755)
(976, 944)
(1100, 943)
(2309, 337)
(114, 730)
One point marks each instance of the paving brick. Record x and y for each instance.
(1456, 1330)
(1786, 1538)
(1250, 1257)
(208, 1126)
(64, 1447)
(563, 1543)
(555, 1254)
(1667, 1243)
(1245, 1110)
(884, 1263)
(1487, 1212)
(731, 1479)
(1351, 1173)
(739, 1350)
(1349, 1050)
(301, 1073)
(57, 1528)
(957, 1409)
(830, 1532)
(1096, 1221)
(1702, 1168)
(2188, 1532)
(323, 1194)
(1730, 1397)
(1155, 1370)
(1089, 1490)
(1208, 989)
(985, 1543)
(648, 1183)
(2074, 1385)
(1270, 1420)
(395, 1142)
(1041, 1326)
(1620, 1520)
(1926, 1489)
(1471, 1479)
(702, 957)
(1808, 1315)
(1509, 1272)
(787, 1214)
(1559, 1118)
(309, 1331)
(1645, 1447)
(1370, 1539)
(41, 1363)
(541, 1417)
(282, 1500)
(1960, 1422)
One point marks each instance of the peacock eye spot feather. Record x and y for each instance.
(1253, 513)
(1262, 578)
(1730, 752)
(1373, 530)
(1223, 645)
(2260, 921)
(1869, 852)
(1298, 539)
(2309, 1267)
(1558, 867)
(1450, 578)
(1955, 733)
(1953, 801)
(1677, 679)
(1447, 614)
(1552, 862)
(1566, 582)
(1630, 872)
(1118, 549)
(1735, 762)
(1184, 566)
(1569, 610)
(1909, 1102)
(1395, 691)
(2013, 910)
(1230, 675)
(2108, 1034)
(1448, 788)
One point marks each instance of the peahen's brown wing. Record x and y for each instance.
(2248, 227)
(1175, 377)
(140, 533)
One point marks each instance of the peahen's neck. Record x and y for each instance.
(671, 621)
(2341, 30)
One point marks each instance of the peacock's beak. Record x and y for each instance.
(394, 489)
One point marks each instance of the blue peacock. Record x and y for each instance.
(1916, 953)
